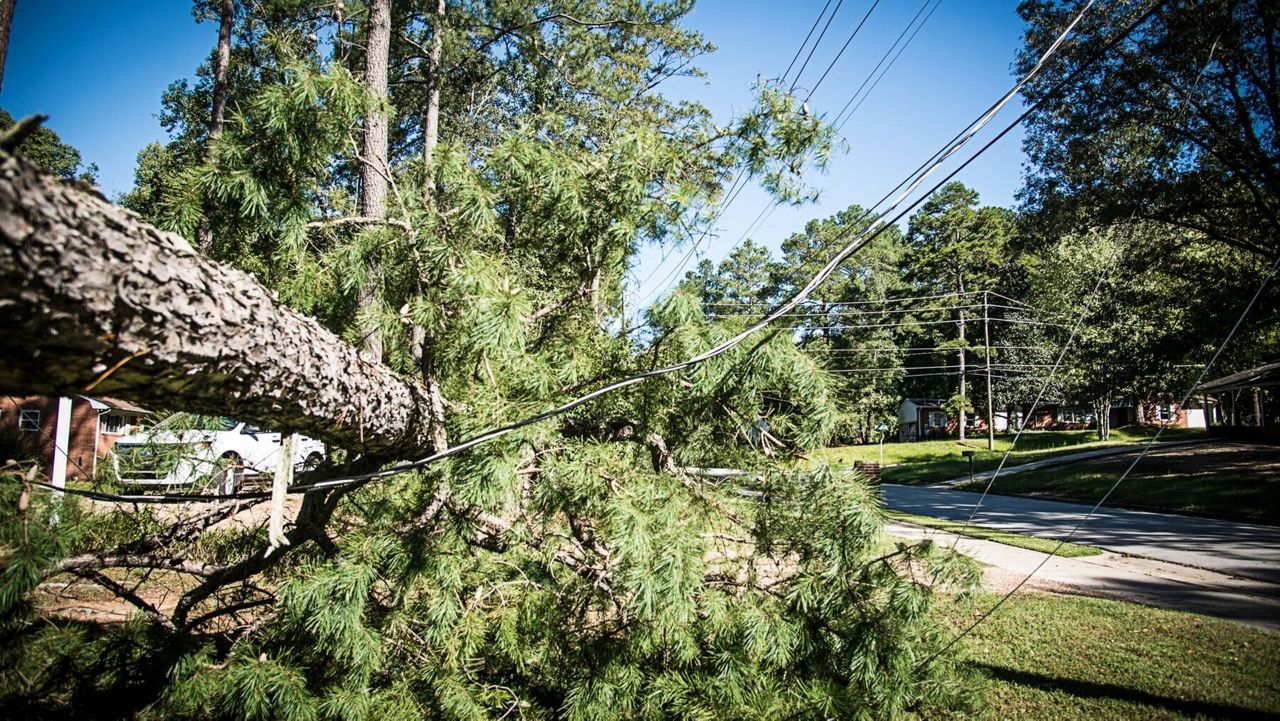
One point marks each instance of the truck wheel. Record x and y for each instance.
(231, 474)
(312, 462)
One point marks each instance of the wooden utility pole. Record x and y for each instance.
(986, 347)
(960, 308)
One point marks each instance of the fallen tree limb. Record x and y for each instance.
(85, 284)
(98, 561)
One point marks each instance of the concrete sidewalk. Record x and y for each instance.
(1069, 458)
(1142, 580)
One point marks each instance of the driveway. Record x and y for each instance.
(1238, 549)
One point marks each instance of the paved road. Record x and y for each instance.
(1238, 549)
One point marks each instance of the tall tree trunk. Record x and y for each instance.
(226, 13)
(6, 20)
(226, 17)
(1102, 412)
(95, 299)
(423, 346)
(375, 170)
(431, 118)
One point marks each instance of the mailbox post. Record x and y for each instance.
(969, 455)
(882, 429)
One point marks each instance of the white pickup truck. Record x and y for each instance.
(217, 460)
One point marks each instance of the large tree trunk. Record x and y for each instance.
(91, 298)
(204, 234)
(375, 170)
(6, 20)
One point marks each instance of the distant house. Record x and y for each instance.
(921, 418)
(28, 423)
(1158, 413)
(1068, 417)
(1061, 417)
(924, 418)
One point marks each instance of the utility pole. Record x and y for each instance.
(986, 347)
(960, 310)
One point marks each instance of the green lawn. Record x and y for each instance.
(1236, 481)
(934, 461)
(1043, 545)
(1063, 657)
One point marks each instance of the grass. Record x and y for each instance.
(1064, 657)
(1223, 482)
(924, 462)
(1032, 543)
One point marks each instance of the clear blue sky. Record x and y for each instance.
(98, 69)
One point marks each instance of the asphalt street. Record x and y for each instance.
(1238, 549)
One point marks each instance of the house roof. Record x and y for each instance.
(1262, 376)
(925, 401)
(102, 403)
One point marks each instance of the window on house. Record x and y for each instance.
(937, 419)
(1165, 413)
(112, 423)
(1074, 415)
(28, 420)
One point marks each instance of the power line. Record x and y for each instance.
(879, 301)
(909, 350)
(955, 366)
(732, 195)
(800, 49)
(949, 321)
(837, 313)
(841, 123)
(816, 43)
(843, 48)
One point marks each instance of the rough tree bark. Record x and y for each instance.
(375, 171)
(93, 298)
(6, 20)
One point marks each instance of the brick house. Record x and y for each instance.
(924, 418)
(1055, 417)
(28, 423)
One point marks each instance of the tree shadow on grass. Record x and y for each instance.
(1094, 690)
